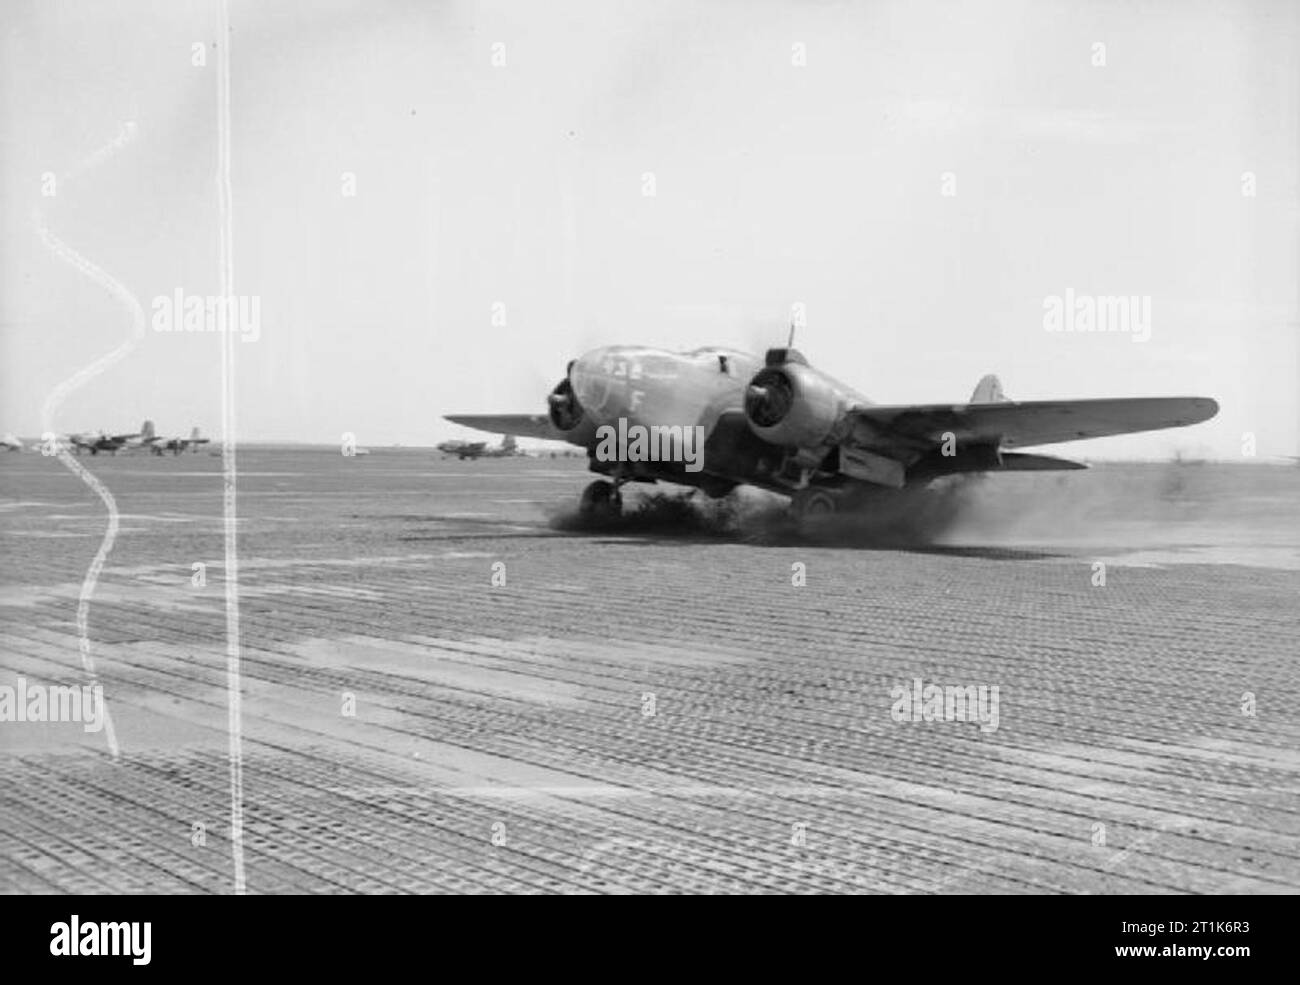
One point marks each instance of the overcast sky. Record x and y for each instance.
(798, 154)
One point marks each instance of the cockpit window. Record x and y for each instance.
(732, 362)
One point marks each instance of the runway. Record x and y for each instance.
(445, 691)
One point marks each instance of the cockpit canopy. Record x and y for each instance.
(732, 362)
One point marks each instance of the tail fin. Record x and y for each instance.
(508, 443)
(195, 433)
(989, 391)
(146, 430)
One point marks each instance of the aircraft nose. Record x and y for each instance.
(591, 379)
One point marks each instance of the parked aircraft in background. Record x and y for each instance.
(10, 442)
(463, 449)
(144, 439)
(177, 444)
(783, 425)
(97, 441)
(509, 448)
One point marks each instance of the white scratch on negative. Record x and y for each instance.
(228, 463)
(60, 393)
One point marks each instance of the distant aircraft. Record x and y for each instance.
(781, 424)
(463, 449)
(10, 442)
(177, 444)
(97, 441)
(509, 448)
(144, 439)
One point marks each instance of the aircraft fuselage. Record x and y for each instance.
(630, 387)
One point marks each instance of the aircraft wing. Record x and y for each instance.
(1023, 424)
(520, 425)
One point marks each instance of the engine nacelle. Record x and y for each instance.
(566, 414)
(793, 405)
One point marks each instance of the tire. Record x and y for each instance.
(813, 508)
(815, 502)
(601, 501)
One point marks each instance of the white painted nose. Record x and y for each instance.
(593, 379)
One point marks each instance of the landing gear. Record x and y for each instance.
(808, 506)
(601, 501)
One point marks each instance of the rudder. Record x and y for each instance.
(989, 391)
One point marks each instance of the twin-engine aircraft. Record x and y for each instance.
(97, 441)
(147, 437)
(783, 425)
(159, 444)
(479, 449)
(463, 449)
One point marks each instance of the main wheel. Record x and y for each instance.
(814, 502)
(601, 501)
(812, 507)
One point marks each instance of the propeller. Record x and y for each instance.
(562, 404)
(769, 397)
